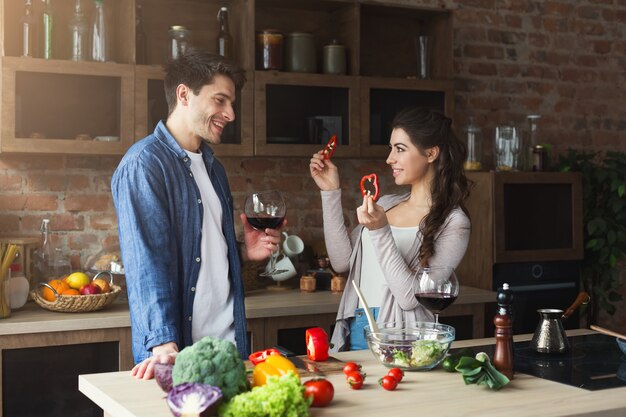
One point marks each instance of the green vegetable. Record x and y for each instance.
(425, 352)
(480, 371)
(451, 361)
(214, 362)
(401, 358)
(279, 397)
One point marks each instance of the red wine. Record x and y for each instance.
(435, 302)
(262, 223)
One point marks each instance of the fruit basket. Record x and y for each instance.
(76, 303)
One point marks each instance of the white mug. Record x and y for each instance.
(283, 263)
(292, 245)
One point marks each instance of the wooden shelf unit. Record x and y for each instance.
(379, 41)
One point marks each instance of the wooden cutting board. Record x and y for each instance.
(330, 366)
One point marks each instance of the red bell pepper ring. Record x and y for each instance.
(329, 150)
(369, 186)
(316, 341)
(262, 355)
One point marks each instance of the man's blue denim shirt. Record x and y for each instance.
(159, 212)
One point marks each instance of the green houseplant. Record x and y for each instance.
(604, 221)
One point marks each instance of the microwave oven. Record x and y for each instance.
(537, 216)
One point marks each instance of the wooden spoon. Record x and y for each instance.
(607, 332)
(368, 313)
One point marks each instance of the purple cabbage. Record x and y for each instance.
(194, 398)
(163, 375)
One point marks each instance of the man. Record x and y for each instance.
(176, 225)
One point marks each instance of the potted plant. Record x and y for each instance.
(604, 221)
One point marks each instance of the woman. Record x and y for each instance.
(427, 226)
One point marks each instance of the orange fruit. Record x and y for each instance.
(58, 285)
(70, 291)
(104, 285)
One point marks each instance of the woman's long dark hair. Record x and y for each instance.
(449, 187)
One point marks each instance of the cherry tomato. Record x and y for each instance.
(321, 390)
(351, 367)
(396, 373)
(388, 382)
(355, 379)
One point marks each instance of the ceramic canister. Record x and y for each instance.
(300, 52)
(334, 59)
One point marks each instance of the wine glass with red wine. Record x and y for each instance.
(266, 210)
(437, 288)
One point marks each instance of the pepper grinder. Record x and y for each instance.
(503, 320)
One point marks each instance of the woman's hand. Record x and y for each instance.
(259, 244)
(324, 172)
(371, 215)
(165, 353)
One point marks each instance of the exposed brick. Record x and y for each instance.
(513, 21)
(88, 203)
(479, 68)
(538, 40)
(258, 166)
(469, 85)
(587, 27)
(538, 71)
(9, 224)
(103, 222)
(505, 37)
(483, 51)
(473, 33)
(10, 183)
(588, 12)
(67, 222)
(555, 24)
(510, 87)
(508, 70)
(540, 88)
(83, 240)
(586, 61)
(52, 182)
(577, 75)
(555, 8)
(601, 46)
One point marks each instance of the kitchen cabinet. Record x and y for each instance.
(58, 106)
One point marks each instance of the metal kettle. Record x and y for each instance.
(550, 335)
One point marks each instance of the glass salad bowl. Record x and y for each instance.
(419, 346)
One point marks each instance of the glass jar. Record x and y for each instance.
(473, 141)
(179, 41)
(270, 50)
(507, 148)
(79, 32)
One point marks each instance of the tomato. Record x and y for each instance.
(396, 373)
(388, 382)
(351, 367)
(355, 379)
(321, 390)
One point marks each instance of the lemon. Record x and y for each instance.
(77, 279)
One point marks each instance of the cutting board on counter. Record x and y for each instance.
(330, 366)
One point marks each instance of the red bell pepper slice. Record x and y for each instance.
(316, 341)
(369, 186)
(262, 355)
(329, 150)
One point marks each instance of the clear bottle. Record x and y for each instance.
(179, 41)
(29, 30)
(47, 30)
(473, 141)
(140, 37)
(78, 31)
(98, 33)
(224, 38)
(537, 150)
(45, 255)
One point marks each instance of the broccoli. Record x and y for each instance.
(214, 362)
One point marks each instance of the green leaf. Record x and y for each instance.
(620, 190)
(591, 244)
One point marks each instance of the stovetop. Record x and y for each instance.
(594, 362)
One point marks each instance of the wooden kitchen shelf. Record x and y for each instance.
(380, 79)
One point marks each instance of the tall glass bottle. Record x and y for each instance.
(140, 37)
(47, 30)
(29, 31)
(44, 260)
(224, 39)
(98, 33)
(78, 31)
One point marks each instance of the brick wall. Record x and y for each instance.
(563, 59)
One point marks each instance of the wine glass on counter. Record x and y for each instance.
(437, 288)
(266, 210)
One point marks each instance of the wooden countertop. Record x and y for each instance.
(434, 393)
(259, 304)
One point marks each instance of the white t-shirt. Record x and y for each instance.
(372, 278)
(213, 301)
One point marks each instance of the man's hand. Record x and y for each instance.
(165, 353)
(259, 244)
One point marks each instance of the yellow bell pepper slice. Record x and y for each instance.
(273, 365)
